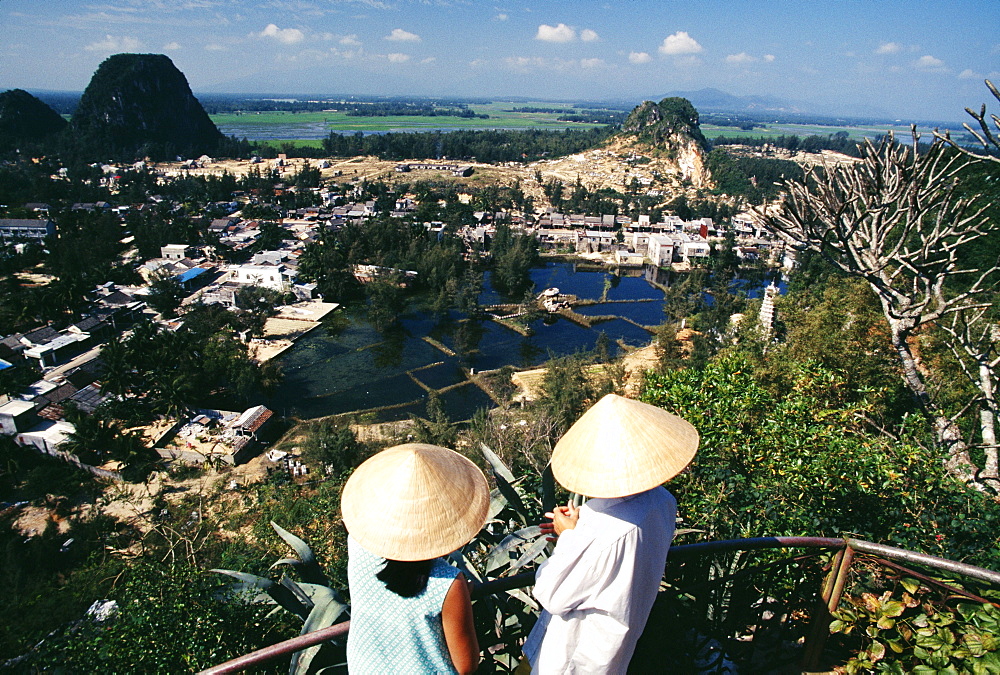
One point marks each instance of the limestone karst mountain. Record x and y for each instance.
(25, 118)
(141, 104)
(668, 131)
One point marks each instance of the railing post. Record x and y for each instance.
(833, 590)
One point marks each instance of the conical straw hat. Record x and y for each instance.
(415, 502)
(622, 447)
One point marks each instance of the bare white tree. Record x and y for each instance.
(896, 220)
(975, 339)
(984, 134)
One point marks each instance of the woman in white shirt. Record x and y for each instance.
(599, 585)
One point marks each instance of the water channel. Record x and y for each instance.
(348, 366)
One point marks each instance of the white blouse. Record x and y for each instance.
(598, 587)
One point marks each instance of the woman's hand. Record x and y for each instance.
(562, 518)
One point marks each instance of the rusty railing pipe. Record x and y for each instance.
(241, 663)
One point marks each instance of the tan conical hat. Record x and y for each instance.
(622, 447)
(415, 502)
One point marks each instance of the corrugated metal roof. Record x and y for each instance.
(88, 398)
(254, 418)
(190, 274)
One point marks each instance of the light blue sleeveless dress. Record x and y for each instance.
(390, 633)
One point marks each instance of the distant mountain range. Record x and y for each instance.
(714, 100)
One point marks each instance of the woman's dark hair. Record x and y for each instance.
(405, 578)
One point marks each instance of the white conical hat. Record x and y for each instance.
(415, 502)
(622, 447)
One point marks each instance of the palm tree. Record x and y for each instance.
(174, 392)
(93, 439)
(118, 375)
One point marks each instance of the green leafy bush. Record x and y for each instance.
(169, 620)
(806, 463)
(910, 629)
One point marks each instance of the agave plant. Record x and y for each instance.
(311, 599)
(509, 543)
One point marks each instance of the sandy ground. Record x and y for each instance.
(289, 324)
(637, 362)
(612, 166)
(133, 502)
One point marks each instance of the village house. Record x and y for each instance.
(660, 250)
(174, 251)
(19, 230)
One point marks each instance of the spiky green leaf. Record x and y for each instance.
(308, 568)
(532, 552)
(281, 594)
(325, 613)
(548, 489)
(500, 554)
(499, 468)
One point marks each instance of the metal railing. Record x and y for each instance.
(730, 607)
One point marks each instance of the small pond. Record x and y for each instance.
(348, 366)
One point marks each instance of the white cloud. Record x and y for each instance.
(742, 57)
(560, 33)
(524, 64)
(591, 63)
(429, 59)
(288, 36)
(344, 53)
(639, 57)
(350, 41)
(889, 48)
(213, 47)
(400, 35)
(769, 58)
(969, 74)
(679, 43)
(929, 63)
(501, 17)
(588, 35)
(398, 58)
(115, 44)
(171, 46)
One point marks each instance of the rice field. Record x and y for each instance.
(272, 126)
(299, 127)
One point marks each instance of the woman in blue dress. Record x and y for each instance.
(411, 611)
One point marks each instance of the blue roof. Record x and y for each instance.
(190, 274)
(4, 365)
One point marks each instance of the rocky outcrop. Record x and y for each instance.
(141, 104)
(25, 118)
(669, 130)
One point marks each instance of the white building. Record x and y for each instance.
(660, 249)
(174, 251)
(695, 251)
(640, 240)
(277, 277)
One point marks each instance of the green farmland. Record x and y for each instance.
(272, 126)
(277, 126)
(856, 132)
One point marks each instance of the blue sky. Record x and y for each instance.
(911, 60)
